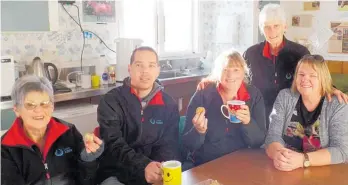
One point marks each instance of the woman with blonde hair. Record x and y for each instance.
(211, 131)
(305, 128)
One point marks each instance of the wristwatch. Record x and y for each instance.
(306, 162)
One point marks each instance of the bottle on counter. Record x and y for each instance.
(105, 77)
(112, 75)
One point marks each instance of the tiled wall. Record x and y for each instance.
(64, 46)
(60, 46)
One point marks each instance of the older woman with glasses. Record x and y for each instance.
(305, 128)
(40, 149)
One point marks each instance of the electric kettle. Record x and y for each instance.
(39, 68)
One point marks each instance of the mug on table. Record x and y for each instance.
(171, 172)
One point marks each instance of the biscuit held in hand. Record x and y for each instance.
(88, 137)
(200, 110)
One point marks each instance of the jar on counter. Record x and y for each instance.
(112, 75)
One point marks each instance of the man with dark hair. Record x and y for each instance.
(139, 124)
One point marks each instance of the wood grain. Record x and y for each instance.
(253, 167)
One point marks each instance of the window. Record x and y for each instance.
(170, 26)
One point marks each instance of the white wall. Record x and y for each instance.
(321, 24)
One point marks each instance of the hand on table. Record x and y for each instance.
(288, 160)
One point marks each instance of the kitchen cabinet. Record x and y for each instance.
(182, 93)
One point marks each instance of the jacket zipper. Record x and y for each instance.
(48, 176)
(46, 169)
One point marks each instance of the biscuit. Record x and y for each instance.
(88, 137)
(200, 110)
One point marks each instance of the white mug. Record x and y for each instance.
(86, 81)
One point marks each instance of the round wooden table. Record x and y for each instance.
(253, 167)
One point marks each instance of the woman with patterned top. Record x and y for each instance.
(305, 128)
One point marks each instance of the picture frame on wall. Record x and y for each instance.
(342, 5)
(99, 11)
(311, 6)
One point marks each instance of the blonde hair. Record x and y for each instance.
(318, 63)
(229, 58)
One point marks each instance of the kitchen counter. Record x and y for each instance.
(78, 93)
(193, 75)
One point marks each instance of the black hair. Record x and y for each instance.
(142, 48)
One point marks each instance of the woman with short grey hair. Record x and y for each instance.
(41, 149)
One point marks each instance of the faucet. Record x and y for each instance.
(167, 66)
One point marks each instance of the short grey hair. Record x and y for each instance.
(30, 83)
(271, 12)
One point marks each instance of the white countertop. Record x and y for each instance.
(6, 105)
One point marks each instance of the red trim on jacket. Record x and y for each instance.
(267, 50)
(16, 136)
(156, 100)
(242, 93)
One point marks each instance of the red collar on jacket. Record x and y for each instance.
(16, 136)
(242, 93)
(156, 100)
(267, 49)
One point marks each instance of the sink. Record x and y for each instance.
(171, 74)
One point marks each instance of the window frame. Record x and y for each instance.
(159, 34)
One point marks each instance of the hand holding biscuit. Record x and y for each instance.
(92, 142)
(200, 122)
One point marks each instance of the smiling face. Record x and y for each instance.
(167, 177)
(144, 69)
(274, 31)
(232, 75)
(36, 111)
(307, 81)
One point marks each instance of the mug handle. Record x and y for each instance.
(222, 111)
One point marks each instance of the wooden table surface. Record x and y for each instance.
(253, 167)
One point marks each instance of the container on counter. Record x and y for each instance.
(105, 77)
(112, 75)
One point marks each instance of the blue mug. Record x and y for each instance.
(232, 106)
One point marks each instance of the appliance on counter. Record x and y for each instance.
(124, 48)
(39, 68)
(8, 76)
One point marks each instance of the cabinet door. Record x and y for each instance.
(21, 16)
(84, 123)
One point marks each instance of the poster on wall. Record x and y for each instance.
(311, 5)
(338, 42)
(99, 11)
(302, 21)
(342, 5)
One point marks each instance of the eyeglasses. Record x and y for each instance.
(32, 106)
(313, 57)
